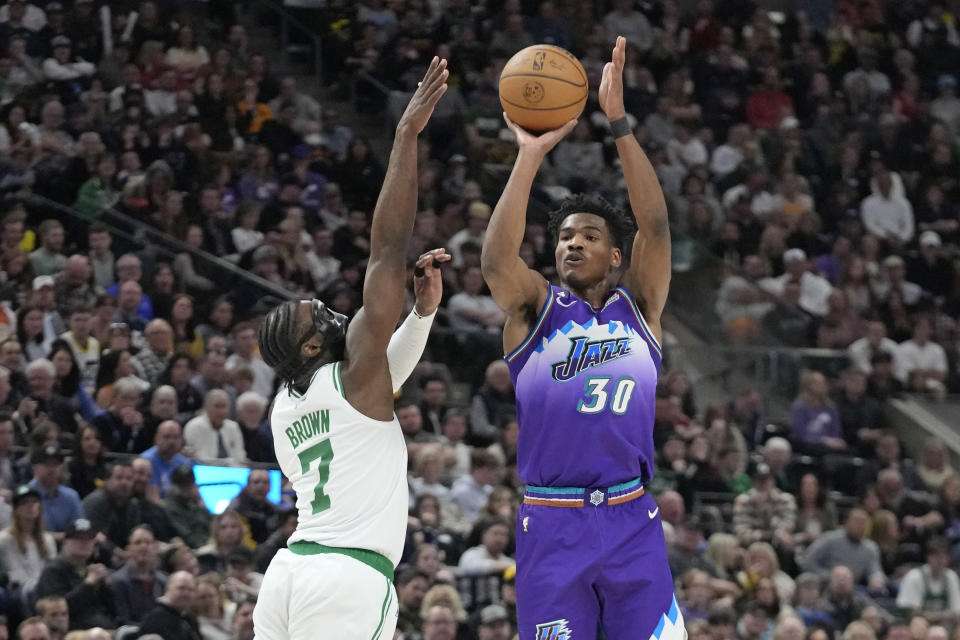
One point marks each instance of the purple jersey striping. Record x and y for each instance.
(585, 383)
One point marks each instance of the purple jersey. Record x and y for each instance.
(585, 383)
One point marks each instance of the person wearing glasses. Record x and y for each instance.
(336, 435)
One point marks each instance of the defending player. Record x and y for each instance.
(584, 360)
(336, 435)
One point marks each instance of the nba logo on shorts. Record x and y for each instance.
(556, 630)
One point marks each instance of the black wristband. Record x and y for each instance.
(621, 128)
(418, 272)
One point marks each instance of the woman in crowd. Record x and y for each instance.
(68, 384)
(87, 466)
(114, 365)
(185, 336)
(219, 321)
(178, 373)
(213, 612)
(25, 546)
(227, 532)
(815, 515)
(32, 335)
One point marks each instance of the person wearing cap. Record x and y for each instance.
(894, 279)
(61, 504)
(61, 67)
(931, 270)
(765, 512)
(493, 623)
(814, 289)
(478, 216)
(186, 509)
(887, 215)
(922, 363)
(84, 586)
(22, 557)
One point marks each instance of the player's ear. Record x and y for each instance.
(616, 258)
(312, 347)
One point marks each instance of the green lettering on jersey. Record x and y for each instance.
(312, 424)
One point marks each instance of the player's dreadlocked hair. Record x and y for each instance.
(280, 340)
(621, 226)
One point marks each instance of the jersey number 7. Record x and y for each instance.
(323, 452)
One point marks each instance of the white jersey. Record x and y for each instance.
(349, 471)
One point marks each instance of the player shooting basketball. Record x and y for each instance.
(335, 432)
(584, 359)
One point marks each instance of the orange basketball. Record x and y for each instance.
(542, 87)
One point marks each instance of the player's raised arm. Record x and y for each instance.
(384, 286)
(515, 287)
(648, 276)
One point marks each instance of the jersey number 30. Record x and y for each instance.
(596, 396)
(323, 452)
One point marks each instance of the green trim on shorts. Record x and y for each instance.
(372, 559)
(384, 608)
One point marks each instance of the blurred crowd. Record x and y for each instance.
(810, 161)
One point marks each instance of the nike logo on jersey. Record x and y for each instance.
(584, 355)
(570, 300)
(653, 514)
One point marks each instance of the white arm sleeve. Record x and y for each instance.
(406, 346)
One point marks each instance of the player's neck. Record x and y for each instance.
(593, 294)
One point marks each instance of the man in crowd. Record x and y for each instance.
(83, 586)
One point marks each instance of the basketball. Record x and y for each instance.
(543, 87)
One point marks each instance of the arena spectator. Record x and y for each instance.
(261, 515)
(186, 510)
(171, 618)
(61, 504)
(83, 585)
(164, 455)
(137, 585)
(849, 548)
(112, 510)
(212, 435)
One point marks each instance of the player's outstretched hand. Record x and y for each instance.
(542, 143)
(425, 98)
(610, 93)
(428, 282)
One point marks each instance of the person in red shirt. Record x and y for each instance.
(768, 105)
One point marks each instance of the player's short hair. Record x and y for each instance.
(620, 226)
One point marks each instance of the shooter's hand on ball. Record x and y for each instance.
(428, 282)
(542, 144)
(611, 83)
